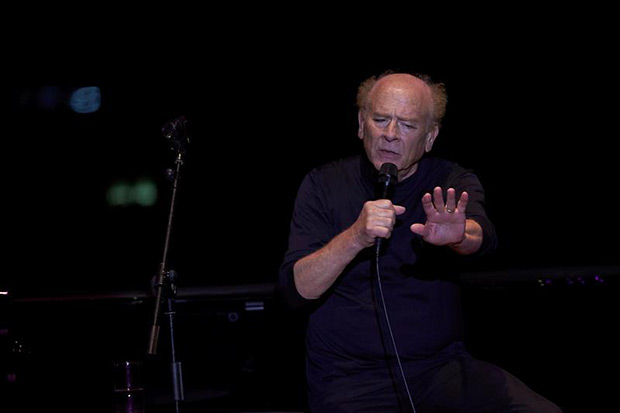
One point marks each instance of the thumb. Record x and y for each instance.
(399, 209)
(417, 229)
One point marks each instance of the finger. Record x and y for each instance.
(417, 229)
(451, 200)
(383, 203)
(399, 209)
(381, 227)
(383, 212)
(427, 204)
(380, 232)
(462, 205)
(380, 222)
(381, 208)
(438, 199)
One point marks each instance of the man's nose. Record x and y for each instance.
(391, 131)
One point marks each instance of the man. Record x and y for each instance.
(385, 333)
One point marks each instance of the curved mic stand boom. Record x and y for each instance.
(175, 132)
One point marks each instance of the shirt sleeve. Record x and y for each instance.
(310, 229)
(465, 180)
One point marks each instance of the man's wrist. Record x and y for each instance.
(458, 244)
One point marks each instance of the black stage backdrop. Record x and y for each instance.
(537, 127)
(540, 139)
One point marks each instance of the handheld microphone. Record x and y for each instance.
(388, 177)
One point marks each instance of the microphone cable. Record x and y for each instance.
(389, 325)
(388, 177)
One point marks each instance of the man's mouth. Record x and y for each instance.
(389, 153)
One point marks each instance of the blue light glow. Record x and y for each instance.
(86, 99)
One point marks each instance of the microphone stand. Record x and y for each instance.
(165, 286)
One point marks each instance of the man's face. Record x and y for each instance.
(396, 126)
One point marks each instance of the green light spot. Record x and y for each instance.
(118, 194)
(122, 193)
(145, 193)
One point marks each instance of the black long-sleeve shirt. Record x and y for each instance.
(346, 333)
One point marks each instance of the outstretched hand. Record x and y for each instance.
(445, 221)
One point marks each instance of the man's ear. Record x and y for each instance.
(431, 135)
(360, 122)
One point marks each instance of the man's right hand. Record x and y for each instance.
(376, 220)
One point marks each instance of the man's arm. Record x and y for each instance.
(472, 239)
(315, 273)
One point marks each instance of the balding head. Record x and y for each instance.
(399, 119)
(419, 90)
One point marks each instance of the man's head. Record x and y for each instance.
(399, 118)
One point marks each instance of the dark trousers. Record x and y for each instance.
(462, 385)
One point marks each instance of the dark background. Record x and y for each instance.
(540, 140)
(536, 124)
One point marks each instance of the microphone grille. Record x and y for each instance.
(388, 170)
